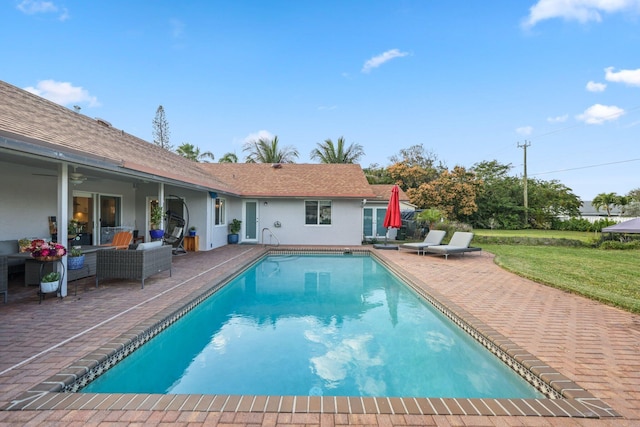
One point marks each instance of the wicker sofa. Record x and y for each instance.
(144, 261)
(4, 282)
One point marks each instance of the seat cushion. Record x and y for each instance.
(149, 245)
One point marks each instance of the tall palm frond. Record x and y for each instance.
(267, 151)
(327, 152)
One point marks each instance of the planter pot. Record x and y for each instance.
(46, 287)
(192, 233)
(75, 262)
(232, 238)
(156, 234)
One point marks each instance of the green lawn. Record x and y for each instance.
(610, 276)
(548, 234)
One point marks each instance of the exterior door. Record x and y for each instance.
(110, 217)
(373, 225)
(250, 222)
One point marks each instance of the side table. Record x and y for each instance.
(192, 243)
(43, 265)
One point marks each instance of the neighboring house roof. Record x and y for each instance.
(293, 179)
(587, 209)
(49, 125)
(383, 192)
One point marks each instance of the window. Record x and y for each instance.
(220, 212)
(317, 212)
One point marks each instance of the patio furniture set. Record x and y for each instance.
(136, 262)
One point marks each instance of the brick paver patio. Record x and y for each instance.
(596, 346)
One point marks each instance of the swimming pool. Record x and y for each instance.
(353, 329)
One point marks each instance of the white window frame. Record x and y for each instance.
(321, 204)
(220, 211)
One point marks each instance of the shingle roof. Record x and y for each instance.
(383, 192)
(48, 124)
(30, 118)
(293, 179)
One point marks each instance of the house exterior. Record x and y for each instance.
(57, 165)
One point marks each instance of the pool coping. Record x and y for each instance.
(565, 397)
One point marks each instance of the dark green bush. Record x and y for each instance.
(616, 244)
(527, 241)
(581, 224)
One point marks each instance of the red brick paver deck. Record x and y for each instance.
(595, 346)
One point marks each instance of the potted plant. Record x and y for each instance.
(234, 229)
(49, 282)
(192, 230)
(75, 260)
(157, 216)
(73, 228)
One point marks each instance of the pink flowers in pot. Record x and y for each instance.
(41, 248)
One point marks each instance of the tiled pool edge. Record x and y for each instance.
(576, 402)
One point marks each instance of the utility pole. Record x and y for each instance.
(526, 196)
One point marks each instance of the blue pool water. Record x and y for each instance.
(315, 325)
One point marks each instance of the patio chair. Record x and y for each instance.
(433, 237)
(174, 234)
(121, 240)
(459, 244)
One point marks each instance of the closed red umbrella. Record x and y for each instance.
(392, 219)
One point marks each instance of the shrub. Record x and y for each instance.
(527, 241)
(615, 244)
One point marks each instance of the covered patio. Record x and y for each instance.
(591, 344)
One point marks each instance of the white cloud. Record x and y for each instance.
(177, 28)
(524, 130)
(558, 119)
(577, 10)
(377, 61)
(32, 7)
(259, 135)
(63, 93)
(629, 77)
(596, 87)
(598, 114)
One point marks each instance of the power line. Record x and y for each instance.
(586, 167)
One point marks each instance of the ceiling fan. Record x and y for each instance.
(76, 177)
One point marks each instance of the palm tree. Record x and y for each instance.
(327, 152)
(623, 203)
(229, 158)
(192, 152)
(267, 151)
(606, 201)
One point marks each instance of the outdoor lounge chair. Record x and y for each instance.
(459, 244)
(433, 237)
(121, 240)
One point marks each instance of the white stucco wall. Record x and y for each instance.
(28, 199)
(345, 227)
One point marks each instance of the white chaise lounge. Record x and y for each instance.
(459, 244)
(433, 237)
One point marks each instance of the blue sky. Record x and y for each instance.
(468, 80)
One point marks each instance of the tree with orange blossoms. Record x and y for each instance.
(414, 166)
(453, 192)
(407, 176)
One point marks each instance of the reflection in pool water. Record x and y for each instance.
(315, 325)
